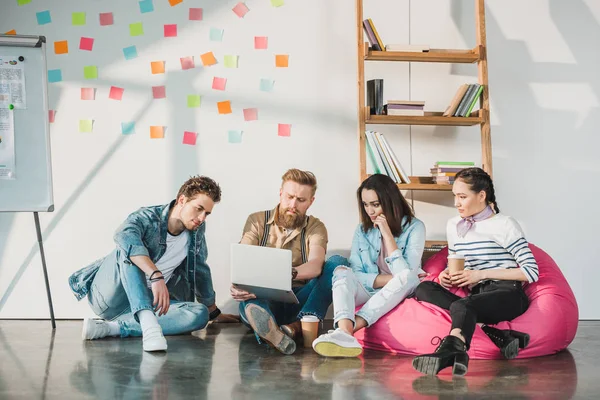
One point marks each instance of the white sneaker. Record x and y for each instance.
(337, 344)
(154, 340)
(94, 329)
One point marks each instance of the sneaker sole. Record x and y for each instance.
(84, 331)
(329, 349)
(511, 350)
(161, 347)
(267, 329)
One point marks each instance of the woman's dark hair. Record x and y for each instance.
(479, 180)
(394, 205)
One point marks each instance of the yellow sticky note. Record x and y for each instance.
(281, 60)
(61, 47)
(224, 107)
(158, 67)
(208, 59)
(136, 29)
(157, 132)
(86, 125)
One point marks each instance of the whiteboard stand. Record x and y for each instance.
(38, 230)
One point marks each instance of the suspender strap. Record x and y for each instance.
(303, 243)
(266, 228)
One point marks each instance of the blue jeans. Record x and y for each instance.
(314, 299)
(119, 291)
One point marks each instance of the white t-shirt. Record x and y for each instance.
(177, 249)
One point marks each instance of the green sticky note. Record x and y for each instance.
(78, 18)
(276, 3)
(234, 136)
(136, 29)
(90, 72)
(23, 2)
(231, 61)
(193, 100)
(86, 125)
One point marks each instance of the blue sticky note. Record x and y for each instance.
(43, 17)
(146, 6)
(235, 136)
(216, 35)
(130, 52)
(266, 85)
(54, 75)
(127, 128)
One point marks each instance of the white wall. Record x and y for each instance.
(544, 99)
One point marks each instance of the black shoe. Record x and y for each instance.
(507, 343)
(451, 352)
(523, 338)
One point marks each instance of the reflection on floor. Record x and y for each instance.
(224, 361)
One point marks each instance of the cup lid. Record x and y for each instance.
(310, 318)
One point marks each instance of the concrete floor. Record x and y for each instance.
(224, 361)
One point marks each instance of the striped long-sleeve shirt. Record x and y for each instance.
(495, 243)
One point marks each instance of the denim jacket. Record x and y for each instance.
(366, 248)
(144, 233)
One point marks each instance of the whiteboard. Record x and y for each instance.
(31, 188)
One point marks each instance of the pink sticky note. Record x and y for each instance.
(250, 114)
(284, 130)
(159, 92)
(116, 93)
(86, 43)
(219, 83)
(88, 93)
(187, 62)
(260, 42)
(51, 115)
(171, 30)
(189, 138)
(106, 19)
(195, 14)
(240, 10)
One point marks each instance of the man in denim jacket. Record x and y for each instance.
(158, 265)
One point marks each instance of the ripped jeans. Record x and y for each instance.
(348, 293)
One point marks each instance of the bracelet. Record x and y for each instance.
(152, 274)
(157, 279)
(214, 314)
(294, 273)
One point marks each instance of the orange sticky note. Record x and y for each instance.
(281, 60)
(208, 59)
(61, 47)
(157, 132)
(11, 32)
(284, 130)
(158, 67)
(173, 3)
(224, 107)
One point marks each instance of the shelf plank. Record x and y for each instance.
(430, 118)
(423, 183)
(433, 55)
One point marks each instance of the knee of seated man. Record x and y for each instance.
(199, 315)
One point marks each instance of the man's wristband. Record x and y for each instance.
(294, 273)
(214, 314)
(155, 272)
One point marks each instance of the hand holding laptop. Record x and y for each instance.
(240, 294)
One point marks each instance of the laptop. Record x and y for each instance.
(263, 271)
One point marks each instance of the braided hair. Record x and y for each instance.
(479, 180)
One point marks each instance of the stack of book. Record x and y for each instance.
(405, 107)
(443, 172)
(464, 100)
(383, 159)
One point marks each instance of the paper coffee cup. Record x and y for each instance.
(456, 262)
(310, 329)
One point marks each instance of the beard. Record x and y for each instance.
(289, 221)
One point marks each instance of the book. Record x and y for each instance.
(409, 48)
(371, 36)
(383, 166)
(477, 95)
(440, 170)
(379, 41)
(407, 102)
(403, 107)
(463, 102)
(375, 96)
(462, 89)
(403, 175)
(469, 99)
(378, 163)
(388, 158)
(413, 113)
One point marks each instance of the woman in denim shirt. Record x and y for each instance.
(383, 269)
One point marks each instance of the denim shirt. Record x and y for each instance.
(144, 233)
(366, 248)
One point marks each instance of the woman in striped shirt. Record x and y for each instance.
(497, 261)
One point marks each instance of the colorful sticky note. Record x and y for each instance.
(195, 14)
(43, 17)
(61, 47)
(193, 100)
(173, 3)
(51, 116)
(86, 43)
(157, 132)
(240, 10)
(78, 18)
(159, 92)
(224, 107)
(261, 42)
(54, 75)
(158, 67)
(23, 2)
(127, 128)
(231, 61)
(136, 29)
(250, 114)
(276, 3)
(86, 125)
(11, 32)
(146, 6)
(189, 138)
(116, 93)
(284, 130)
(281, 60)
(234, 136)
(170, 30)
(208, 59)
(266, 85)
(219, 83)
(187, 62)
(106, 19)
(130, 52)
(88, 94)
(216, 35)
(90, 72)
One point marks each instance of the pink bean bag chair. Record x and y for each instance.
(551, 319)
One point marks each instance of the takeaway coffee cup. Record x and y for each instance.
(456, 262)
(310, 329)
